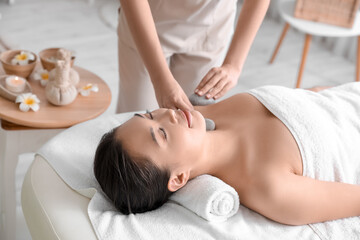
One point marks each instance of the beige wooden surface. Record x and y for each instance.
(51, 116)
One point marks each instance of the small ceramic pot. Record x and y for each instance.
(18, 70)
(48, 58)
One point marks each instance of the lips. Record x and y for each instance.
(188, 117)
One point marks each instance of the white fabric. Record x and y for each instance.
(326, 126)
(136, 91)
(208, 197)
(71, 155)
(193, 38)
(51, 208)
(202, 25)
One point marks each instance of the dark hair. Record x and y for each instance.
(134, 185)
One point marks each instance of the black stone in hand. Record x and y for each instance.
(197, 100)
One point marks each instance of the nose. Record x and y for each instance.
(172, 115)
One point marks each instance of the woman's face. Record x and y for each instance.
(171, 139)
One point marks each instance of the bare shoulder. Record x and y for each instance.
(262, 188)
(241, 103)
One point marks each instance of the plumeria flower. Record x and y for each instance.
(28, 101)
(85, 91)
(23, 58)
(43, 76)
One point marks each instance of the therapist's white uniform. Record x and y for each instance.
(194, 35)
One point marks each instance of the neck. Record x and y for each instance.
(219, 152)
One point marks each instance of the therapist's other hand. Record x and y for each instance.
(218, 81)
(171, 95)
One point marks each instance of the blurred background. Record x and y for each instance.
(88, 27)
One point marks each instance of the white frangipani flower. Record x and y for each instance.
(43, 76)
(23, 58)
(28, 101)
(85, 91)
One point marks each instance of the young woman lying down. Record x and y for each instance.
(291, 154)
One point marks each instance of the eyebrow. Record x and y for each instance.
(151, 129)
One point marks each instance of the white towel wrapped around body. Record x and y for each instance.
(326, 127)
(208, 197)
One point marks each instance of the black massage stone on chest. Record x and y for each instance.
(210, 124)
(197, 100)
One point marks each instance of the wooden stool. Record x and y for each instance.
(286, 9)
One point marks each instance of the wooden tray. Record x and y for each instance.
(11, 96)
(51, 116)
(335, 12)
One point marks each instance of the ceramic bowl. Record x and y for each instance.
(47, 55)
(18, 70)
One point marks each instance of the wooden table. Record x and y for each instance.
(23, 132)
(51, 116)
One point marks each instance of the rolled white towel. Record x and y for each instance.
(208, 197)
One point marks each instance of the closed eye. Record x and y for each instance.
(161, 129)
(151, 128)
(150, 114)
(164, 133)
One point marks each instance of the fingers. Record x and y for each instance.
(215, 83)
(217, 88)
(209, 83)
(185, 104)
(222, 92)
(184, 107)
(180, 103)
(208, 88)
(204, 81)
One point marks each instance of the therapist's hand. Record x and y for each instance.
(218, 81)
(171, 95)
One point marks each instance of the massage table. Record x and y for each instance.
(54, 210)
(51, 208)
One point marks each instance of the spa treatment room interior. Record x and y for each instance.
(179, 119)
